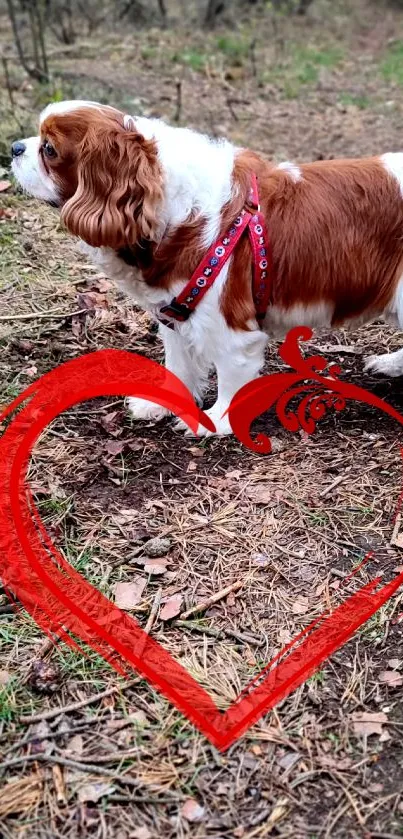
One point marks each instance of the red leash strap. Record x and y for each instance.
(182, 306)
(262, 263)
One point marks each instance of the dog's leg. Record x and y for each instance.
(179, 361)
(390, 364)
(240, 360)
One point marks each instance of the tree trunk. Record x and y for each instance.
(34, 72)
(303, 6)
(214, 8)
(163, 10)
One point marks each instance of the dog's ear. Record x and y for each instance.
(119, 191)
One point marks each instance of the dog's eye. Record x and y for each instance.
(48, 149)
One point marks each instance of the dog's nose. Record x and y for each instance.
(17, 148)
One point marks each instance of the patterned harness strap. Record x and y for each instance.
(182, 306)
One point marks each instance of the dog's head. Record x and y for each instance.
(91, 162)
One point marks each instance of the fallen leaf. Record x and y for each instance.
(196, 451)
(375, 788)
(128, 595)
(7, 212)
(289, 760)
(397, 540)
(30, 371)
(114, 447)
(102, 285)
(192, 811)
(259, 493)
(75, 745)
(171, 608)
(5, 677)
(391, 678)
(141, 833)
(395, 663)
(155, 566)
(91, 300)
(40, 744)
(329, 762)
(4, 185)
(300, 605)
(261, 559)
(366, 723)
(110, 423)
(192, 466)
(235, 474)
(93, 792)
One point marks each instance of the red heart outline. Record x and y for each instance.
(63, 602)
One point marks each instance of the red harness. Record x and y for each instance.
(182, 306)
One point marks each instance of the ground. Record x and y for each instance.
(290, 525)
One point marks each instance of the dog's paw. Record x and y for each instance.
(385, 365)
(222, 426)
(142, 409)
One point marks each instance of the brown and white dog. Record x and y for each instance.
(149, 200)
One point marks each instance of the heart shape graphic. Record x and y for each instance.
(61, 601)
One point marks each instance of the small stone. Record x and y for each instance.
(157, 546)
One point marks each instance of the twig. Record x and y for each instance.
(75, 706)
(59, 784)
(48, 645)
(287, 552)
(220, 633)
(43, 315)
(201, 607)
(252, 51)
(230, 103)
(178, 111)
(332, 486)
(52, 735)
(72, 764)
(141, 799)
(113, 757)
(9, 89)
(154, 612)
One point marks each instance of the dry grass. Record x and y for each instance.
(282, 524)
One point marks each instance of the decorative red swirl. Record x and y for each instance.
(322, 392)
(62, 601)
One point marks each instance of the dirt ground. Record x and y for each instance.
(328, 761)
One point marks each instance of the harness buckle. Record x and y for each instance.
(175, 310)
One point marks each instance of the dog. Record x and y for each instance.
(150, 200)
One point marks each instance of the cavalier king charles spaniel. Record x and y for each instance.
(149, 200)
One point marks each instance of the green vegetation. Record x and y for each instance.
(392, 65)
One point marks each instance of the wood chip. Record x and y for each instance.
(58, 780)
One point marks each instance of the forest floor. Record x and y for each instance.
(327, 761)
